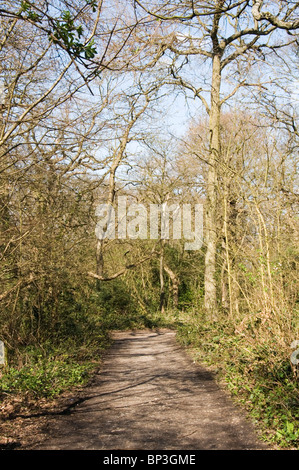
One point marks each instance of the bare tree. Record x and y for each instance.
(221, 34)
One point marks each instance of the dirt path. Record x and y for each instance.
(149, 395)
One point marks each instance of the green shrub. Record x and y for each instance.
(46, 378)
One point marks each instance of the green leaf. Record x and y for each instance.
(93, 4)
(290, 427)
(80, 31)
(25, 6)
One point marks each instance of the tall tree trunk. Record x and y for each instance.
(226, 216)
(162, 284)
(210, 300)
(175, 286)
(110, 200)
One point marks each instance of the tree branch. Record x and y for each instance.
(123, 270)
(274, 20)
(21, 283)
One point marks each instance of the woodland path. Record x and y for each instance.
(150, 395)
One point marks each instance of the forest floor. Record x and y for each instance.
(147, 395)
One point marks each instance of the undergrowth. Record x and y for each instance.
(256, 370)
